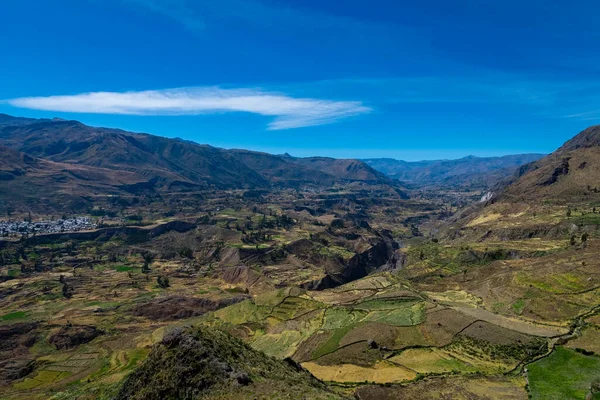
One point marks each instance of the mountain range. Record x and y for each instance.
(51, 162)
(467, 173)
(68, 157)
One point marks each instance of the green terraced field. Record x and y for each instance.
(565, 374)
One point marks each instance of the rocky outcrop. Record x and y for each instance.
(15, 336)
(200, 362)
(73, 335)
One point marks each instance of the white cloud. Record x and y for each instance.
(288, 112)
(585, 116)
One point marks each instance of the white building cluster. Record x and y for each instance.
(19, 228)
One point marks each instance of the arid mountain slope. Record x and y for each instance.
(556, 197)
(45, 183)
(291, 171)
(174, 164)
(571, 171)
(165, 162)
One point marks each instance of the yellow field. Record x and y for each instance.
(431, 360)
(589, 340)
(382, 372)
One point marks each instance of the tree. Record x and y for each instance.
(162, 282)
(148, 259)
(569, 213)
(186, 252)
(67, 291)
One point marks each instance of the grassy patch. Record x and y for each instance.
(518, 306)
(586, 219)
(122, 268)
(280, 346)
(43, 378)
(243, 312)
(412, 313)
(381, 372)
(431, 361)
(336, 251)
(14, 273)
(13, 316)
(555, 283)
(565, 374)
(333, 342)
(136, 356)
(291, 307)
(338, 317)
(382, 304)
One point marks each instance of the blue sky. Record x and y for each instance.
(409, 80)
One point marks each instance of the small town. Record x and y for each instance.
(19, 228)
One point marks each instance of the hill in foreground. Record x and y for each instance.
(210, 364)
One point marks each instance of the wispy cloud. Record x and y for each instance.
(288, 112)
(585, 116)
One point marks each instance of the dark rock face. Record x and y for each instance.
(15, 341)
(13, 369)
(563, 169)
(17, 335)
(171, 308)
(72, 336)
(379, 255)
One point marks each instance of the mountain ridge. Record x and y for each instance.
(155, 164)
(74, 142)
(469, 172)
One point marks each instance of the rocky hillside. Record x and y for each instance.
(164, 163)
(41, 183)
(288, 171)
(79, 164)
(173, 164)
(557, 196)
(571, 171)
(210, 364)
